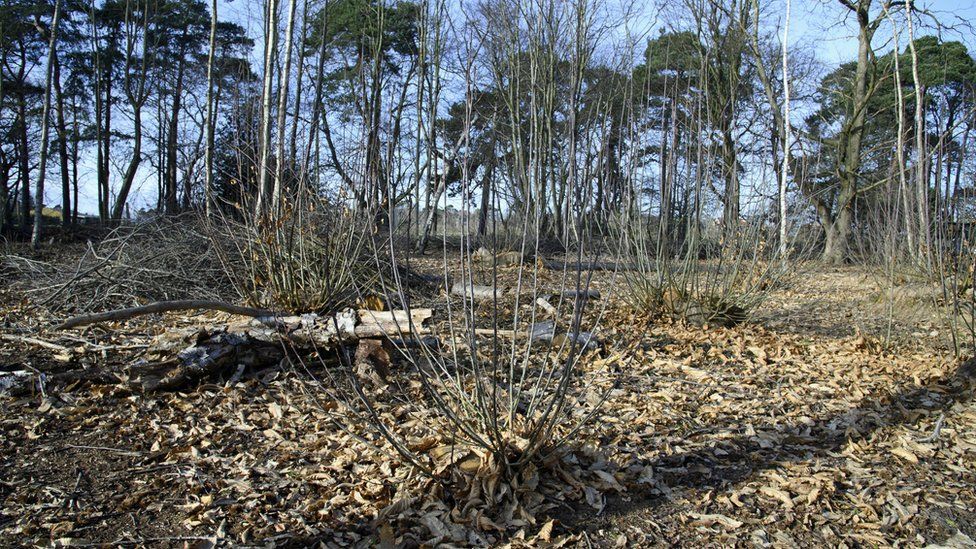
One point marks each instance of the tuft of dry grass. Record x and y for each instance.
(312, 258)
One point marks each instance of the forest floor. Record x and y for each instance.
(832, 419)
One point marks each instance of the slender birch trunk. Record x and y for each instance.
(283, 109)
(921, 173)
(270, 47)
(785, 171)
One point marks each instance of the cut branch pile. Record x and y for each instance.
(184, 356)
(164, 260)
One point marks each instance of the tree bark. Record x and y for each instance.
(279, 179)
(264, 164)
(104, 169)
(849, 140)
(45, 137)
(210, 119)
(24, 159)
(836, 236)
(62, 132)
(172, 184)
(921, 155)
(785, 124)
(133, 167)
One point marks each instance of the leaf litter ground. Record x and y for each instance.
(800, 429)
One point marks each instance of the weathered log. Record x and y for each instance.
(477, 291)
(343, 327)
(212, 354)
(182, 356)
(545, 332)
(16, 382)
(262, 340)
(389, 323)
(583, 340)
(544, 304)
(485, 258)
(538, 331)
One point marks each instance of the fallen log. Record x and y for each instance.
(212, 354)
(343, 327)
(185, 355)
(545, 332)
(544, 304)
(477, 291)
(262, 341)
(536, 332)
(16, 382)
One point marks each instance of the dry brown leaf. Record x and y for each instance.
(726, 522)
(545, 533)
(778, 494)
(905, 454)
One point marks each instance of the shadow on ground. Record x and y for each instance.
(745, 458)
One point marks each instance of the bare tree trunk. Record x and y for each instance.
(293, 140)
(786, 139)
(104, 169)
(24, 160)
(837, 233)
(959, 167)
(5, 169)
(99, 108)
(75, 159)
(172, 184)
(317, 100)
(62, 133)
(135, 91)
(211, 115)
(270, 47)
(4, 197)
(283, 109)
(45, 138)
(431, 219)
(850, 138)
(133, 167)
(910, 227)
(921, 155)
(485, 205)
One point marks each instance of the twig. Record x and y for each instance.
(130, 453)
(35, 341)
(938, 429)
(163, 307)
(144, 541)
(73, 502)
(499, 332)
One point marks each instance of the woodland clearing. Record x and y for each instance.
(799, 428)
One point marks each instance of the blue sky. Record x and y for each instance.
(823, 25)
